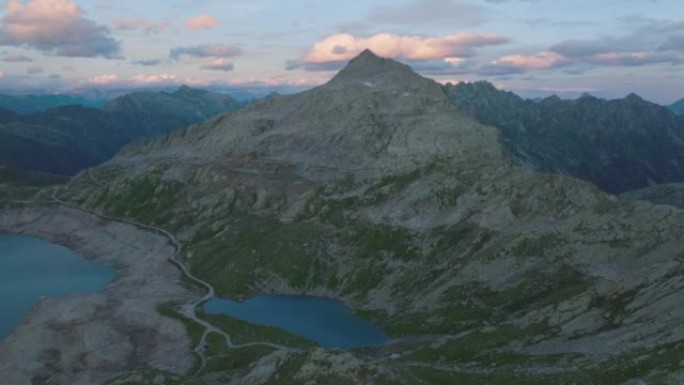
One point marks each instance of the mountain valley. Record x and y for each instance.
(379, 190)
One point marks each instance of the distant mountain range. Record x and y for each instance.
(67, 139)
(678, 107)
(30, 104)
(619, 145)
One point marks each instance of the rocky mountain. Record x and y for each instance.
(31, 104)
(619, 145)
(678, 107)
(67, 139)
(377, 189)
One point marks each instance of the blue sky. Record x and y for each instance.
(532, 47)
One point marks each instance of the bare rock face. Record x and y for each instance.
(377, 190)
(88, 338)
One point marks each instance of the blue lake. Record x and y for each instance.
(31, 269)
(325, 321)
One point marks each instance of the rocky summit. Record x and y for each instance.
(378, 190)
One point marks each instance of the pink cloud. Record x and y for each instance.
(219, 65)
(541, 60)
(16, 58)
(105, 79)
(172, 80)
(55, 26)
(342, 47)
(153, 80)
(201, 22)
(140, 24)
(635, 58)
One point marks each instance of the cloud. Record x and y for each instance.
(114, 81)
(16, 58)
(634, 58)
(202, 22)
(651, 42)
(675, 43)
(343, 47)
(68, 68)
(429, 12)
(140, 24)
(582, 48)
(34, 69)
(219, 65)
(539, 61)
(216, 51)
(56, 27)
(147, 62)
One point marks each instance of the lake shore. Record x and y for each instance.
(88, 338)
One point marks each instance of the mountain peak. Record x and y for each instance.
(632, 97)
(186, 90)
(369, 68)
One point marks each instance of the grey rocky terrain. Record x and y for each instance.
(85, 339)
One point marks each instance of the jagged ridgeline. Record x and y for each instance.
(67, 139)
(619, 145)
(376, 189)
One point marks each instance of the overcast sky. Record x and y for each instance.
(533, 47)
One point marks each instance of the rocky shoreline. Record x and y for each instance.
(89, 338)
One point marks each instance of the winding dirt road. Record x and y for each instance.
(189, 311)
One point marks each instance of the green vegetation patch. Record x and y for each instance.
(242, 332)
(251, 248)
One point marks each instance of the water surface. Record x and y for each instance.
(31, 268)
(325, 321)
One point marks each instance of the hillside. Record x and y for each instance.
(376, 189)
(677, 107)
(68, 139)
(619, 145)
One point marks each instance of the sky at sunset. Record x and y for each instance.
(532, 47)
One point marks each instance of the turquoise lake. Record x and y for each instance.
(31, 268)
(326, 321)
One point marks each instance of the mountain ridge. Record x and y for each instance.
(619, 145)
(66, 139)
